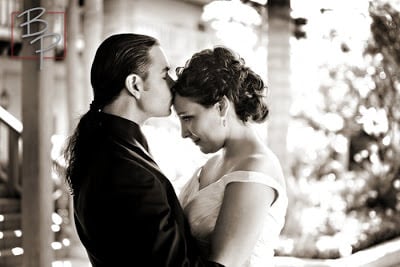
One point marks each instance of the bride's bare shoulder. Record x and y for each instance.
(265, 162)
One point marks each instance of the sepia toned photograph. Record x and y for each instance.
(204, 133)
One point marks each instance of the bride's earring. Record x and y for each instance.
(224, 122)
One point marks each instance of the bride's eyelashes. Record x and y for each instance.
(186, 118)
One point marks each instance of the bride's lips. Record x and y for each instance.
(196, 141)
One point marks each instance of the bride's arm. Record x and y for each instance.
(240, 222)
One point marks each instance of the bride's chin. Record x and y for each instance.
(206, 150)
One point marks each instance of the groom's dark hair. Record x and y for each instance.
(117, 57)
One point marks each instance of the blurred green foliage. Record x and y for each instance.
(347, 196)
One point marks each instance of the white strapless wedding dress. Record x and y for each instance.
(202, 207)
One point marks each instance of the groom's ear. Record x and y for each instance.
(134, 85)
(223, 106)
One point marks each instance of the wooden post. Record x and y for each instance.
(37, 185)
(75, 94)
(281, 98)
(278, 78)
(14, 160)
(93, 33)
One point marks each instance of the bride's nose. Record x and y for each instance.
(185, 131)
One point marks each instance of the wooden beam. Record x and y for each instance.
(37, 185)
(93, 34)
(75, 95)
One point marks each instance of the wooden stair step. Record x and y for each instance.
(10, 234)
(10, 239)
(3, 191)
(8, 252)
(8, 205)
(10, 221)
(10, 261)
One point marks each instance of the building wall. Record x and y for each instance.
(174, 23)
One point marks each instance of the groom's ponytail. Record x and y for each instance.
(117, 57)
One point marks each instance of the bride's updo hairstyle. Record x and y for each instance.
(212, 74)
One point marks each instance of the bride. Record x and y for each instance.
(236, 203)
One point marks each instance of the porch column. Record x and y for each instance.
(93, 34)
(37, 185)
(75, 93)
(279, 78)
(77, 102)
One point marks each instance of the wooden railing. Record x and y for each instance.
(12, 176)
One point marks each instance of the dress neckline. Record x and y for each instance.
(220, 179)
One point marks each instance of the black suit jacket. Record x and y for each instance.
(126, 211)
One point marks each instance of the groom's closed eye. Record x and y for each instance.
(170, 81)
(167, 76)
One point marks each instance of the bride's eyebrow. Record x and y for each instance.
(165, 69)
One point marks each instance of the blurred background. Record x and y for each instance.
(333, 73)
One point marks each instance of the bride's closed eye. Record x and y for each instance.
(186, 118)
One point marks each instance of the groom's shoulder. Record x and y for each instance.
(130, 172)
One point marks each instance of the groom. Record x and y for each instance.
(126, 210)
